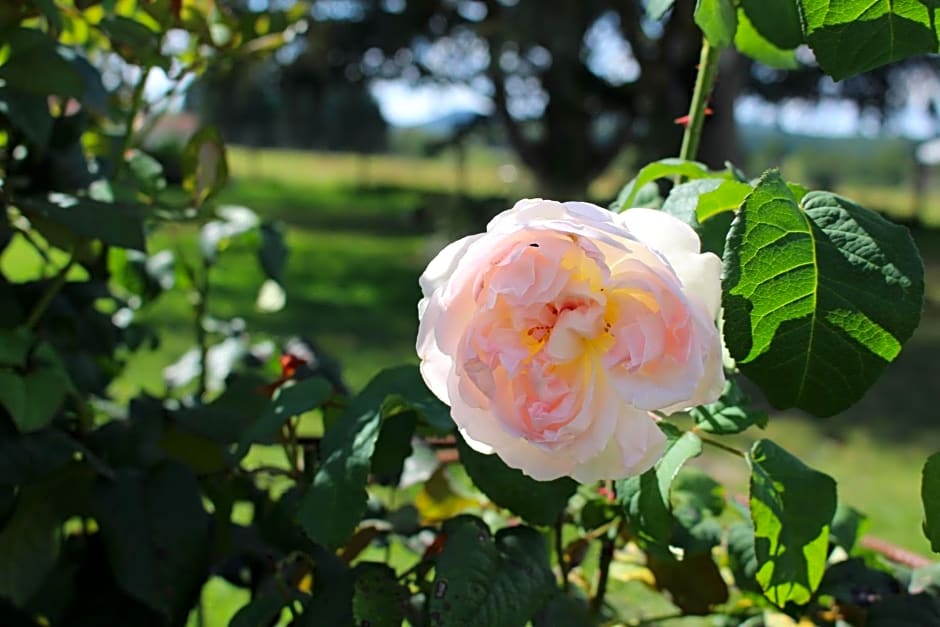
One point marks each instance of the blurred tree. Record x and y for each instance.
(570, 85)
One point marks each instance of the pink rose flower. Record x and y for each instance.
(553, 336)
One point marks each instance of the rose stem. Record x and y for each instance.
(704, 81)
(722, 446)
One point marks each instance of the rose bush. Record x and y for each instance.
(553, 336)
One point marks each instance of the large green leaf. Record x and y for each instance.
(726, 197)
(930, 495)
(778, 21)
(791, 507)
(156, 533)
(479, 581)
(336, 500)
(35, 65)
(33, 397)
(817, 299)
(30, 538)
(718, 20)
(29, 456)
(114, 224)
(27, 112)
(853, 36)
(653, 171)
(538, 502)
(752, 43)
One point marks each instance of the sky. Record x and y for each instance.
(404, 105)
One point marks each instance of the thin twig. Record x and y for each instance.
(136, 101)
(608, 544)
(560, 551)
(58, 282)
(720, 445)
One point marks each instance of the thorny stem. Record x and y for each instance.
(704, 81)
(58, 282)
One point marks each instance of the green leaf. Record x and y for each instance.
(273, 252)
(336, 500)
(205, 165)
(697, 502)
(656, 9)
(36, 66)
(332, 592)
(148, 173)
(564, 611)
(538, 502)
(114, 224)
(645, 499)
(778, 21)
(653, 171)
(819, 299)
(203, 455)
(394, 446)
(291, 399)
(378, 598)
(34, 397)
(844, 581)
(227, 417)
(156, 534)
(30, 539)
(27, 112)
(695, 583)
(27, 457)
(726, 197)
(235, 221)
(930, 495)
(729, 414)
(479, 581)
(133, 41)
(853, 36)
(848, 526)
(742, 559)
(648, 196)
(718, 20)
(791, 507)
(751, 43)
(14, 346)
(683, 202)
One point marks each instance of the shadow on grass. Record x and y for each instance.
(379, 210)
